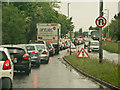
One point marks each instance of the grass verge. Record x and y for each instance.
(105, 71)
(110, 46)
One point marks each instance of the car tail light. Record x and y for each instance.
(35, 52)
(51, 48)
(6, 65)
(25, 56)
(44, 52)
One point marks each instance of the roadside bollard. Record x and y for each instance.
(78, 50)
(67, 51)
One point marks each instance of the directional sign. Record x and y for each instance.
(100, 21)
(83, 54)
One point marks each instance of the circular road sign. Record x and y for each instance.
(100, 22)
(54, 28)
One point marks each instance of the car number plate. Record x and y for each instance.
(15, 60)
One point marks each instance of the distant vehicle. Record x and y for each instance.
(85, 34)
(61, 44)
(51, 49)
(20, 57)
(37, 42)
(34, 54)
(93, 45)
(94, 34)
(86, 43)
(49, 32)
(44, 53)
(6, 69)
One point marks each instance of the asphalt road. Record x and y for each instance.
(53, 75)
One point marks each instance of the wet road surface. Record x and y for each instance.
(53, 75)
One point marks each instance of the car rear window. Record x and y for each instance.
(3, 56)
(36, 42)
(40, 47)
(16, 51)
(30, 48)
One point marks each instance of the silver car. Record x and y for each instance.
(44, 52)
(34, 53)
(93, 46)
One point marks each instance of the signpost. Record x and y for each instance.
(100, 22)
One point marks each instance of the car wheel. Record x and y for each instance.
(6, 83)
(38, 64)
(28, 71)
(47, 61)
(89, 51)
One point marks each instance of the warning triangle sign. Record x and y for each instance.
(73, 46)
(83, 54)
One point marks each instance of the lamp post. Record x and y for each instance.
(108, 20)
(70, 29)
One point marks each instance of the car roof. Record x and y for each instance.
(13, 46)
(2, 48)
(34, 44)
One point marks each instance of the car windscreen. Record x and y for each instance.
(3, 56)
(30, 48)
(94, 43)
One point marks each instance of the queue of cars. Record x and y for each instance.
(21, 58)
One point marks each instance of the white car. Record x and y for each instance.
(93, 46)
(6, 69)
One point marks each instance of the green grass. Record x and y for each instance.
(105, 71)
(110, 46)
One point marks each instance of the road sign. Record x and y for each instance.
(83, 54)
(100, 21)
(54, 28)
(73, 46)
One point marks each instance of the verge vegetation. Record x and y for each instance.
(105, 71)
(110, 46)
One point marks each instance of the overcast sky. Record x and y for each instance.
(84, 13)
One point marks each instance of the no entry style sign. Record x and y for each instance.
(100, 21)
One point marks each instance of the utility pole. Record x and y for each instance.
(108, 22)
(70, 29)
(100, 33)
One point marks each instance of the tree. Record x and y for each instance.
(23, 17)
(13, 26)
(80, 31)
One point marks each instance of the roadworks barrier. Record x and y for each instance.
(92, 77)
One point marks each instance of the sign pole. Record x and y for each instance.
(100, 33)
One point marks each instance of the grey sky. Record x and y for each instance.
(84, 13)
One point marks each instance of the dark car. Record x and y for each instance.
(51, 49)
(34, 54)
(20, 58)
